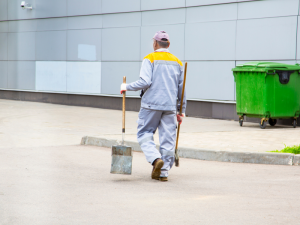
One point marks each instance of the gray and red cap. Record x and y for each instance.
(161, 36)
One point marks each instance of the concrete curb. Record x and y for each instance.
(210, 155)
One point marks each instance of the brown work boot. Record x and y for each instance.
(163, 179)
(157, 165)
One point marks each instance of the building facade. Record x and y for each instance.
(76, 52)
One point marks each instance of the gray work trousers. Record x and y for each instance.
(148, 122)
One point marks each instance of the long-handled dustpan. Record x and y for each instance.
(180, 112)
(121, 162)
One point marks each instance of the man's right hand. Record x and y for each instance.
(123, 88)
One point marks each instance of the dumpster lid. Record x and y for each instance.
(265, 66)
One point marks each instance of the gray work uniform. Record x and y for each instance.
(161, 80)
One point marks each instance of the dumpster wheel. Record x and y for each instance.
(294, 123)
(272, 122)
(263, 123)
(241, 120)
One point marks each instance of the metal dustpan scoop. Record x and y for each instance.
(121, 162)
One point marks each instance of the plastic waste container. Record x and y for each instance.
(267, 90)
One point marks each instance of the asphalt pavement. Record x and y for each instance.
(47, 177)
(73, 185)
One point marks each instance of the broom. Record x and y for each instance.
(180, 111)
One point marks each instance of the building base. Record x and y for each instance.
(202, 109)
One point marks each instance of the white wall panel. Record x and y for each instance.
(84, 77)
(22, 25)
(3, 10)
(3, 27)
(122, 20)
(210, 80)
(159, 4)
(112, 76)
(84, 45)
(21, 75)
(113, 6)
(51, 76)
(52, 24)
(121, 44)
(206, 2)
(211, 13)
(170, 16)
(21, 46)
(86, 7)
(210, 41)
(3, 46)
(268, 8)
(266, 39)
(3, 74)
(51, 45)
(85, 22)
(176, 33)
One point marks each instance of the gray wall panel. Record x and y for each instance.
(298, 39)
(211, 13)
(210, 80)
(112, 76)
(3, 10)
(51, 45)
(79, 7)
(210, 41)
(85, 22)
(21, 75)
(3, 27)
(268, 8)
(22, 25)
(52, 24)
(176, 33)
(126, 44)
(159, 4)
(258, 39)
(84, 45)
(122, 20)
(53, 8)
(112, 6)
(41, 9)
(291, 62)
(21, 46)
(170, 16)
(3, 46)
(3, 74)
(206, 2)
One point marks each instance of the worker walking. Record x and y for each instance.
(161, 83)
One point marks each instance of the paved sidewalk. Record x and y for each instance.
(65, 185)
(30, 124)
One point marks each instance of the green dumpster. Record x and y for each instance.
(267, 90)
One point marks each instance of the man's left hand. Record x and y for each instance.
(180, 117)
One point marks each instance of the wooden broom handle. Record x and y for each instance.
(180, 111)
(123, 107)
(183, 88)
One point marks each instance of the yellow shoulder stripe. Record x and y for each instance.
(162, 56)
